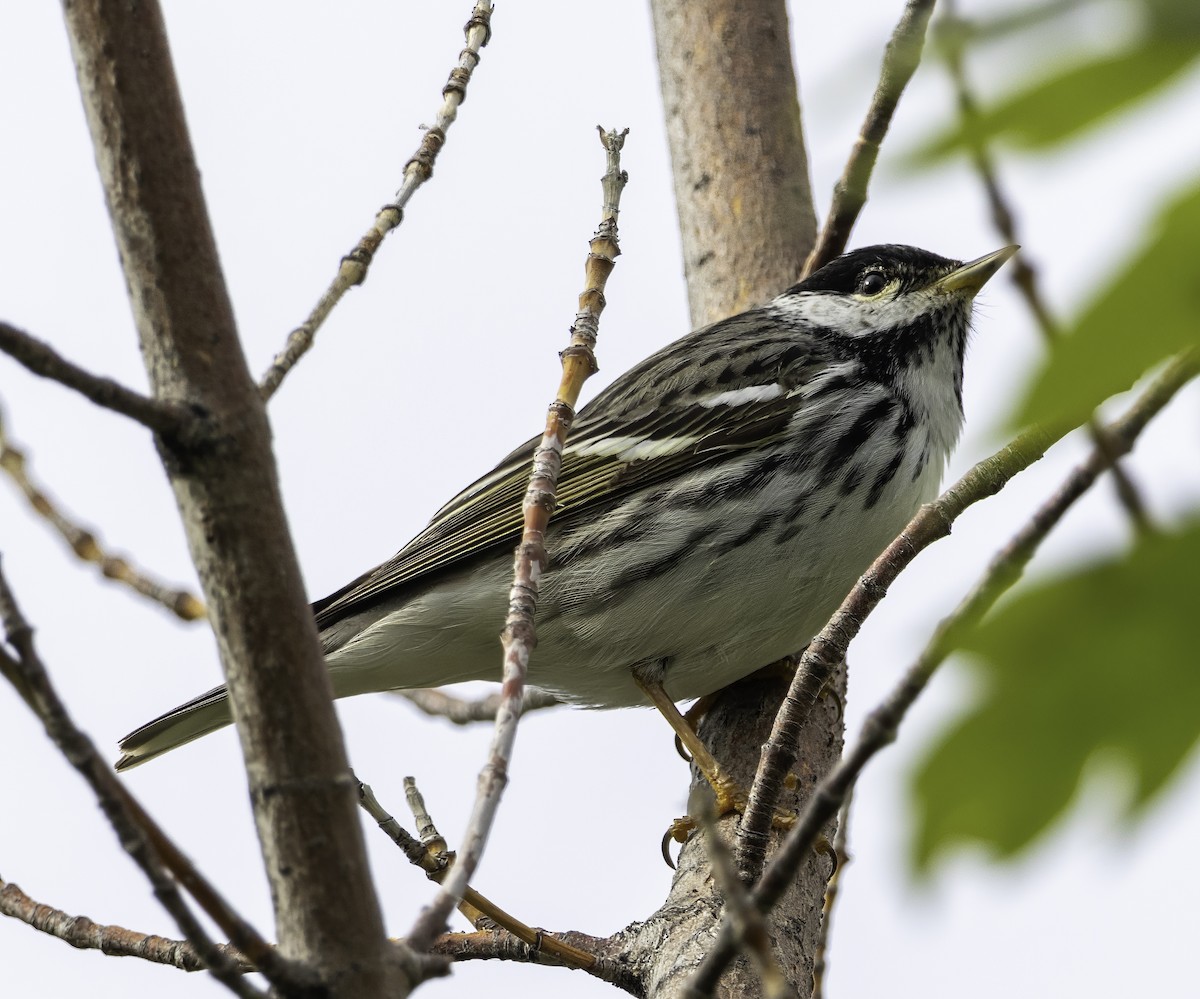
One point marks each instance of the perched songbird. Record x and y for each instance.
(716, 503)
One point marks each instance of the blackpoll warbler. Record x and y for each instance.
(716, 503)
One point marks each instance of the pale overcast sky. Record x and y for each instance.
(302, 125)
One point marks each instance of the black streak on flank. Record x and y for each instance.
(846, 447)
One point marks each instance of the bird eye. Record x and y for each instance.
(872, 283)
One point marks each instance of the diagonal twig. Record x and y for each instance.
(431, 853)
(436, 703)
(900, 60)
(116, 941)
(841, 857)
(355, 265)
(748, 920)
(953, 34)
(882, 724)
(137, 833)
(519, 635)
(822, 655)
(86, 545)
(164, 418)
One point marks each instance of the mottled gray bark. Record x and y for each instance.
(223, 474)
(737, 150)
(748, 224)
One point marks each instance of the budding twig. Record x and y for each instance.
(882, 724)
(519, 636)
(431, 853)
(900, 61)
(86, 545)
(355, 265)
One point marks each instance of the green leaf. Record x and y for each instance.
(1104, 660)
(1064, 105)
(1150, 310)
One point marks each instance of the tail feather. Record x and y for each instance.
(199, 716)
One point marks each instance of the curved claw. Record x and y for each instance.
(680, 831)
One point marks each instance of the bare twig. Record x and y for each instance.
(499, 945)
(519, 636)
(137, 833)
(822, 655)
(436, 703)
(164, 418)
(841, 857)
(432, 855)
(85, 544)
(355, 265)
(881, 725)
(116, 941)
(900, 61)
(952, 32)
(748, 920)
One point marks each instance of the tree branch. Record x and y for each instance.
(137, 833)
(519, 636)
(115, 941)
(86, 545)
(900, 61)
(737, 150)
(952, 31)
(327, 915)
(823, 654)
(436, 703)
(355, 265)
(432, 855)
(164, 418)
(882, 724)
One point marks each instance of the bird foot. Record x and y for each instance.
(729, 798)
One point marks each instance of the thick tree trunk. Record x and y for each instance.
(737, 150)
(225, 483)
(747, 221)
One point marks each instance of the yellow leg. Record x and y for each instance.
(729, 796)
(728, 793)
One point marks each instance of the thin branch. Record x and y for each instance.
(432, 855)
(164, 418)
(86, 545)
(355, 265)
(822, 655)
(882, 724)
(953, 33)
(900, 61)
(436, 703)
(519, 636)
(115, 941)
(140, 838)
(747, 919)
(611, 964)
(841, 858)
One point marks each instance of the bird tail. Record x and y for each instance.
(199, 716)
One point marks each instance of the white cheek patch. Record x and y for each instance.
(852, 315)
